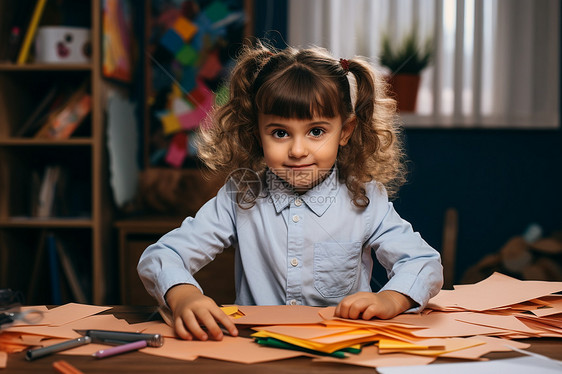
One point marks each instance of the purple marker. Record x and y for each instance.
(102, 353)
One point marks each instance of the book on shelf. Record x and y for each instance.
(50, 102)
(46, 202)
(70, 273)
(62, 270)
(57, 193)
(63, 121)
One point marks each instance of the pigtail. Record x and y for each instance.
(227, 141)
(374, 151)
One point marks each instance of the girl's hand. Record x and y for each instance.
(366, 305)
(196, 315)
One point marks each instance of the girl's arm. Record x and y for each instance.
(167, 267)
(413, 267)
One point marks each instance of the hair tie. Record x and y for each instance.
(344, 64)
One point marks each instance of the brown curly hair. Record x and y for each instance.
(302, 84)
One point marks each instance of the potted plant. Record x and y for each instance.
(405, 62)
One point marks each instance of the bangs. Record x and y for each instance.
(299, 93)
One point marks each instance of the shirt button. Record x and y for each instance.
(296, 218)
(298, 202)
(294, 262)
(293, 302)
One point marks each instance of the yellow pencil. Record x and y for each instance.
(30, 34)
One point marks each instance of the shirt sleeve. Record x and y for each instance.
(185, 250)
(413, 266)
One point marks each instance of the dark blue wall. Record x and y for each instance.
(500, 181)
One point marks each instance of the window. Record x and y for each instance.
(496, 62)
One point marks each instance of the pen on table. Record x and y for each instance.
(64, 367)
(102, 353)
(122, 337)
(32, 354)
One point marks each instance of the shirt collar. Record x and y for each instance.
(318, 199)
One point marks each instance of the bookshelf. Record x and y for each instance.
(83, 225)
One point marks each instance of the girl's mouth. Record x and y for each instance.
(299, 166)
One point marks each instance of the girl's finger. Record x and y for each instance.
(225, 320)
(181, 330)
(192, 323)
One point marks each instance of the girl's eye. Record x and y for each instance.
(316, 132)
(279, 134)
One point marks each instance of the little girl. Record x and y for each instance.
(309, 145)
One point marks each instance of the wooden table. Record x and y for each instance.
(136, 362)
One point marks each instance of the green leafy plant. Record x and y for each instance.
(409, 57)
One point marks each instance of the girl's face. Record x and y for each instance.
(299, 151)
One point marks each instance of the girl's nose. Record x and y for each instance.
(298, 149)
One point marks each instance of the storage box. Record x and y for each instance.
(62, 44)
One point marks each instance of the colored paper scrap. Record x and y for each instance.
(222, 95)
(187, 81)
(170, 123)
(180, 106)
(204, 27)
(211, 67)
(276, 343)
(187, 55)
(216, 11)
(177, 151)
(185, 28)
(203, 99)
(370, 357)
(168, 17)
(172, 41)
(191, 120)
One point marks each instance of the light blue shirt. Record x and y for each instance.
(312, 249)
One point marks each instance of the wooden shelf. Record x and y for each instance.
(16, 142)
(45, 67)
(80, 164)
(54, 222)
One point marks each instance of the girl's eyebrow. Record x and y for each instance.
(311, 124)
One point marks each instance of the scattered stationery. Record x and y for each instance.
(133, 346)
(457, 328)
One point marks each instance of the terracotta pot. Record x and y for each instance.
(404, 88)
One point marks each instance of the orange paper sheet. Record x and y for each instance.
(370, 357)
(496, 291)
(278, 315)
(3, 359)
(70, 312)
(554, 307)
(449, 344)
(509, 323)
(231, 349)
(491, 344)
